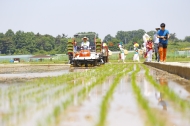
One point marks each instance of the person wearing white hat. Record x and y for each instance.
(85, 42)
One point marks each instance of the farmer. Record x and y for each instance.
(149, 47)
(163, 36)
(105, 52)
(156, 45)
(122, 54)
(85, 42)
(136, 55)
(120, 44)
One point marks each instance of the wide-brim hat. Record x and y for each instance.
(136, 45)
(85, 38)
(104, 44)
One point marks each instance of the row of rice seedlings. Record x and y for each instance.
(107, 97)
(41, 81)
(87, 78)
(19, 105)
(55, 96)
(152, 120)
(170, 94)
(100, 77)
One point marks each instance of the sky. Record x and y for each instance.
(101, 16)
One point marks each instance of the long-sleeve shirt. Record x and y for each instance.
(149, 45)
(87, 43)
(156, 39)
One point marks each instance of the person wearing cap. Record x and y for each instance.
(85, 42)
(156, 45)
(163, 36)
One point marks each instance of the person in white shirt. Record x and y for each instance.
(146, 37)
(85, 42)
(156, 45)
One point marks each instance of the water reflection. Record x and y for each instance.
(161, 101)
(164, 83)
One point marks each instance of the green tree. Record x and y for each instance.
(187, 39)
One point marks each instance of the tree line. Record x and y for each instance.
(22, 42)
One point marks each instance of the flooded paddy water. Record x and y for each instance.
(110, 95)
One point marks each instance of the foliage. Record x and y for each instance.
(22, 42)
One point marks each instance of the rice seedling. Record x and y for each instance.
(100, 77)
(104, 105)
(170, 94)
(143, 103)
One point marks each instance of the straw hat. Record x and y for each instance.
(125, 52)
(85, 38)
(136, 45)
(104, 44)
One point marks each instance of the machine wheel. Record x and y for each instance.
(86, 64)
(95, 62)
(74, 63)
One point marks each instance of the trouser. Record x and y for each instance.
(156, 46)
(162, 52)
(149, 55)
(105, 59)
(136, 57)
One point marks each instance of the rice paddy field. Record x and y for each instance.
(109, 95)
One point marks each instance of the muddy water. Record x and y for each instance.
(12, 78)
(163, 107)
(124, 106)
(123, 109)
(87, 112)
(179, 85)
